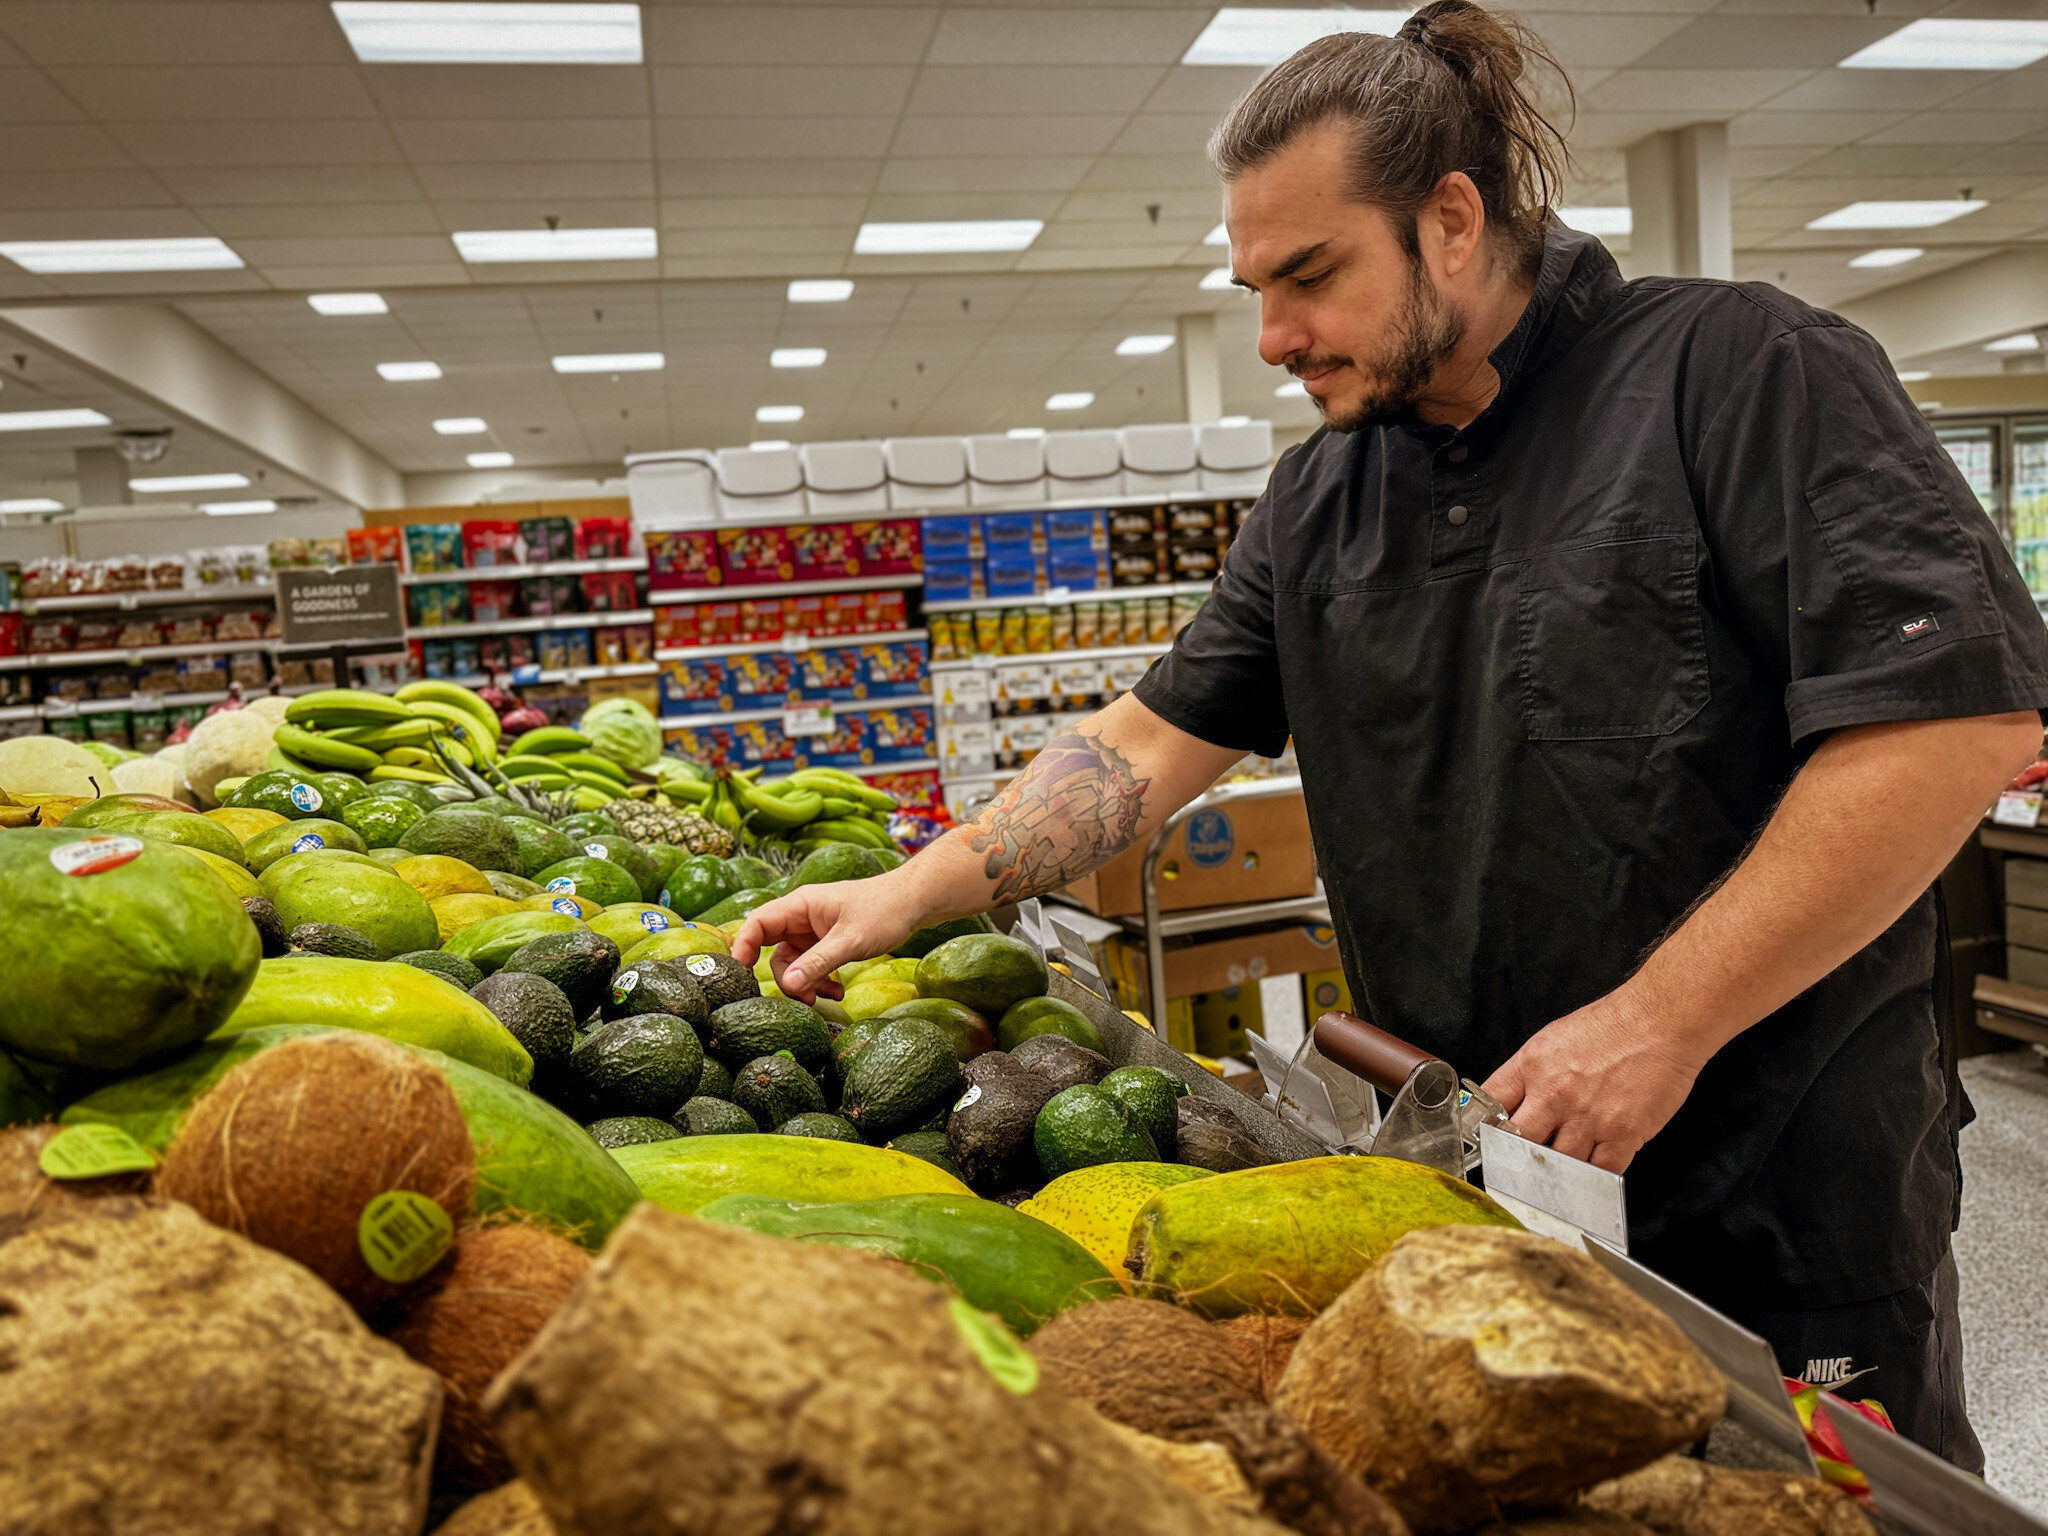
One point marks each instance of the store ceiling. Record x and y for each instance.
(758, 137)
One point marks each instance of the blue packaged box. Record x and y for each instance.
(899, 735)
(952, 538)
(844, 746)
(1083, 530)
(1009, 532)
(760, 681)
(1078, 570)
(895, 671)
(694, 687)
(953, 581)
(1015, 575)
(831, 672)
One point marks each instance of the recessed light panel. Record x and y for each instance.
(611, 362)
(50, 421)
(1599, 219)
(58, 257)
(221, 482)
(460, 426)
(348, 303)
(408, 373)
(1144, 346)
(1899, 215)
(31, 504)
(1890, 256)
(2025, 343)
(236, 508)
(820, 290)
(1217, 277)
(490, 461)
(768, 444)
(1072, 400)
(1953, 42)
(769, 415)
(797, 357)
(411, 32)
(1243, 35)
(1233, 421)
(953, 237)
(500, 245)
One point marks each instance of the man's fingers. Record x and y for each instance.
(1574, 1139)
(817, 963)
(1506, 1084)
(1615, 1156)
(786, 954)
(1534, 1121)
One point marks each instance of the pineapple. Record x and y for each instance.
(647, 822)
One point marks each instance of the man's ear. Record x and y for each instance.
(1451, 225)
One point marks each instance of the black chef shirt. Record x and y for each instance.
(1548, 675)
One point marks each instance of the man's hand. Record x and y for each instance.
(1596, 1084)
(815, 929)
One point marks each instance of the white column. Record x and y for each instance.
(1678, 200)
(102, 477)
(1201, 374)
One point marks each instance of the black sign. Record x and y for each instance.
(357, 602)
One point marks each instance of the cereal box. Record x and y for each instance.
(893, 548)
(760, 743)
(705, 744)
(694, 687)
(899, 735)
(844, 746)
(760, 681)
(683, 557)
(894, 671)
(675, 626)
(750, 556)
(761, 618)
(823, 551)
(832, 672)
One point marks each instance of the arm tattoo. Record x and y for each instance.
(1076, 807)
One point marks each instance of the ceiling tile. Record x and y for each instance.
(709, 178)
(30, 223)
(796, 90)
(760, 212)
(282, 220)
(1594, 41)
(771, 138)
(1207, 88)
(1021, 35)
(53, 32)
(1774, 128)
(512, 91)
(275, 143)
(1147, 172)
(1153, 133)
(2021, 90)
(1951, 127)
(1898, 90)
(60, 147)
(764, 34)
(217, 92)
(28, 96)
(1013, 173)
(1689, 90)
(1725, 41)
(574, 179)
(519, 140)
(300, 184)
(962, 92)
(1005, 136)
(80, 190)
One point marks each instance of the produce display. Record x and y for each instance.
(397, 1050)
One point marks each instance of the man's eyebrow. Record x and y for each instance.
(1297, 261)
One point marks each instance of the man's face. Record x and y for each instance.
(1343, 307)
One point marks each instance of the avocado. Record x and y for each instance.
(1081, 1127)
(899, 1079)
(334, 939)
(818, 1123)
(630, 1130)
(736, 906)
(761, 1026)
(855, 1037)
(1210, 1137)
(969, 1030)
(537, 1013)
(1047, 1016)
(617, 848)
(648, 1064)
(539, 846)
(986, 971)
(990, 1128)
(403, 789)
(929, 1145)
(834, 861)
(579, 963)
(925, 940)
(717, 1080)
(510, 887)
(722, 979)
(1152, 1099)
(704, 1116)
(666, 859)
(586, 824)
(700, 882)
(499, 806)
(748, 873)
(268, 926)
(450, 967)
(1060, 1061)
(774, 1088)
(655, 986)
(489, 944)
(479, 839)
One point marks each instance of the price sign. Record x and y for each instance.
(2017, 808)
(810, 720)
(357, 602)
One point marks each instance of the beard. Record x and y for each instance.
(1425, 332)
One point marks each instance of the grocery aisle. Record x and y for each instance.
(2002, 1252)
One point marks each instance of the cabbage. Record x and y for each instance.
(624, 731)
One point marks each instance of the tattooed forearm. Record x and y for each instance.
(1077, 806)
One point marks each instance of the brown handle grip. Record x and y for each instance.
(1381, 1059)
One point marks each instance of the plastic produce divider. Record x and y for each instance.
(1914, 1488)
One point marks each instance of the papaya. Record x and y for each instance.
(1290, 1237)
(689, 1174)
(384, 997)
(1095, 1206)
(1013, 1265)
(490, 943)
(97, 813)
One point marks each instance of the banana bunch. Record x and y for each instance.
(811, 807)
(405, 735)
(556, 758)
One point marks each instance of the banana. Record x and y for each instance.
(597, 781)
(466, 728)
(834, 807)
(547, 739)
(409, 757)
(844, 786)
(390, 771)
(323, 751)
(406, 733)
(774, 812)
(721, 811)
(345, 706)
(687, 791)
(584, 798)
(442, 691)
(548, 781)
(590, 762)
(524, 765)
(863, 833)
(281, 759)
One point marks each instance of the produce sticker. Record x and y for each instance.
(654, 922)
(595, 850)
(93, 1152)
(1014, 1367)
(402, 1235)
(566, 905)
(95, 855)
(308, 842)
(562, 883)
(971, 1096)
(623, 987)
(306, 797)
(700, 965)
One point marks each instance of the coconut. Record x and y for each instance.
(1264, 1343)
(289, 1147)
(1678, 1496)
(1151, 1366)
(470, 1319)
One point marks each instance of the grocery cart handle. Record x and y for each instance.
(1381, 1059)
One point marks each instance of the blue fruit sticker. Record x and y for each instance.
(664, 896)
(654, 922)
(595, 850)
(305, 797)
(562, 883)
(566, 905)
(307, 842)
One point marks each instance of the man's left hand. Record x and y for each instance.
(1596, 1084)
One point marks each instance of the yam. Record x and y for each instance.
(1475, 1372)
(30, 1198)
(1200, 1465)
(507, 1510)
(1264, 1343)
(704, 1378)
(1677, 1496)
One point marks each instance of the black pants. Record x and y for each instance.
(1905, 1350)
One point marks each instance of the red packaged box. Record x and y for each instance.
(893, 548)
(684, 557)
(761, 618)
(601, 592)
(751, 556)
(375, 546)
(803, 615)
(490, 601)
(603, 538)
(890, 612)
(10, 634)
(675, 626)
(718, 623)
(824, 551)
(490, 541)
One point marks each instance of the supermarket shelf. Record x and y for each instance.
(21, 712)
(669, 597)
(794, 644)
(54, 708)
(507, 678)
(127, 602)
(869, 770)
(1207, 919)
(1060, 596)
(1099, 653)
(133, 657)
(521, 572)
(527, 626)
(839, 707)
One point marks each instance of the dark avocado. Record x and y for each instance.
(630, 1130)
(450, 968)
(989, 1131)
(647, 1064)
(269, 926)
(536, 1012)
(774, 1089)
(714, 1117)
(334, 939)
(655, 986)
(579, 963)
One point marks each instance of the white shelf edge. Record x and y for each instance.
(528, 626)
(1099, 653)
(763, 647)
(671, 597)
(522, 572)
(1070, 596)
(138, 656)
(127, 602)
(869, 770)
(839, 707)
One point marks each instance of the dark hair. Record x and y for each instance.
(1447, 93)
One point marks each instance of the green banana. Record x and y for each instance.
(776, 812)
(835, 807)
(590, 762)
(440, 690)
(597, 781)
(720, 810)
(844, 786)
(406, 733)
(694, 791)
(390, 771)
(524, 765)
(866, 834)
(467, 728)
(547, 739)
(323, 751)
(584, 798)
(345, 706)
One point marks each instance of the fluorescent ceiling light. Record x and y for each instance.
(1293, 389)
(1899, 215)
(1890, 256)
(1599, 219)
(235, 508)
(492, 460)
(1246, 36)
(1025, 434)
(1916, 376)
(484, 245)
(820, 290)
(229, 481)
(408, 373)
(768, 444)
(797, 357)
(611, 362)
(770, 414)
(55, 257)
(1217, 236)
(946, 238)
(1233, 421)
(50, 421)
(1143, 346)
(408, 32)
(31, 504)
(1072, 400)
(460, 426)
(1217, 277)
(2025, 343)
(1947, 42)
(348, 303)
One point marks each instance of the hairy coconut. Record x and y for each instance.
(1677, 1496)
(470, 1319)
(290, 1146)
(511, 1510)
(1151, 1366)
(1474, 1372)
(1264, 1343)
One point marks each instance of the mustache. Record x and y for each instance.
(1298, 366)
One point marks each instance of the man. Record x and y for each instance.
(1645, 658)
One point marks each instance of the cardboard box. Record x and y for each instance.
(1255, 850)
(1195, 967)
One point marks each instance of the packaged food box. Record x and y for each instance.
(548, 538)
(1122, 673)
(148, 729)
(844, 746)
(962, 693)
(694, 687)
(1193, 559)
(553, 649)
(1012, 533)
(823, 551)
(492, 601)
(675, 626)
(1186, 517)
(899, 735)
(1076, 530)
(1015, 575)
(10, 634)
(1078, 570)
(603, 538)
(761, 743)
(895, 670)
(761, 618)
(374, 546)
(1136, 522)
(893, 547)
(325, 554)
(888, 610)
(953, 538)
(804, 615)
(1021, 688)
(718, 623)
(202, 674)
(829, 672)
(683, 557)
(638, 640)
(760, 681)
(917, 790)
(1137, 565)
(1020, 738)
(167, 572)
(753, 556)
(135, 634)
(966, 750)
(287, 554)
(433, 547)
(954, 581)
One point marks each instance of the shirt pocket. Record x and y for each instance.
(1613, 643)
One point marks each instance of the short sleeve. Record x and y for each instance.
(1221, 681)
(1850, 550)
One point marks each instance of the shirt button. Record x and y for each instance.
(1457, 516)
(1457, 453)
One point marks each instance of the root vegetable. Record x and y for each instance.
(1677, 1496)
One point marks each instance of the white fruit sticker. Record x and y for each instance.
(654, 922)
(700, 965)
(972, 1095)
(95, 855)
(595, 850)
(567, 906)
(308, 842)
(562, 883)
(623, 987)
(306, 797)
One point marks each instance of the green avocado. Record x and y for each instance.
(452, 968)
(986, 971)
(630, 1130)
(925, 940)
(380, 820)
(306, 835)
(539, 844)
(479, 839)
(1152, 1100)
(489, 944)
(761, 1026)
(736, 906)
(648, 1064)
(707, 1116)
(1083, 1126)
(1047, 1016)
(969, 1030)
(579, 963)
(699, 883)
(835, 861)
(907, 1073)
(404, 789)
(201, 832)
(818, 1123)
(594, 879)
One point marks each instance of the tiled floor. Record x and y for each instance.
(2002, 1254)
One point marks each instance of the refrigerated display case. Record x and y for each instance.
(2005, 460)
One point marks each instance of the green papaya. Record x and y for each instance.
(689, 1174)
